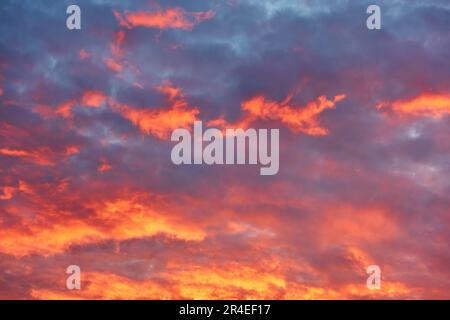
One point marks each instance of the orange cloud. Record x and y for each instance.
(389, 290)
(93, 98)
(40, 156)
(347, 224)
(117, 63)
(161, 122)
(104, 166)
(89, 98)
(426, 104)
(113, 65)
(298, 118)
(117, 219)
(229, 281)
(8, 193)
(65, 108)
(71, 150)
(359, 224)
(110, 287)
(172, 92)
(14, 153)
(133, 216)
(170, 18)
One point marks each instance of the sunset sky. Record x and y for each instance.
(86, 176)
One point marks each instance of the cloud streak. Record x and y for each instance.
(170, 18)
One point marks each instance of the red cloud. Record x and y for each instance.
(104, 166)
(296, 117)
(427, 104)
(119, 38)
(40, 156)
(161, 122)
(170, 18)
(93, 98)
(89, 98)
(113, 65)
(133, 216)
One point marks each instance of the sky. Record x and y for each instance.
(86, 176)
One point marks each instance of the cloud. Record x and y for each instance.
(89, 98)
(123, 218)
(426, 104)
(298, 118)
(170, 18)
(40, 156)
(113, 65)
(110, 287)
(93, 98)
(162, 121)
(104, 166)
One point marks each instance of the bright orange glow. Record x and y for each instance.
(159, 123)
(426, 104)
(295, 117)
(109, 286)
(14, 153)
(228, 282)
(123, 219)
